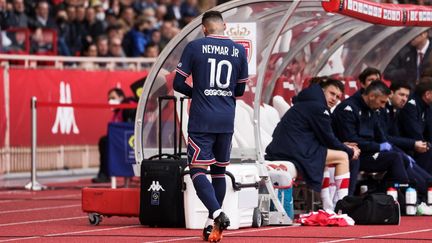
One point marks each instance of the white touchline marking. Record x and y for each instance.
(38, 209)
(382, 235)
(228, 233)
(42, 221)
(37, 198)
(71, 233)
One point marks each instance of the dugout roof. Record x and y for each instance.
(298, 39)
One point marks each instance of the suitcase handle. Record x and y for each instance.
(174, 99)
(160, 156)
(181, 126)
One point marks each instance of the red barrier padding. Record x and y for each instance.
(382, 13)
(111, 202)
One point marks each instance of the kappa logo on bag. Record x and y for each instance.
(155, 187)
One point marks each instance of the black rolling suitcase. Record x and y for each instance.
(161, 199)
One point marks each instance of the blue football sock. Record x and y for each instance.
(218, 182)
(204, 190)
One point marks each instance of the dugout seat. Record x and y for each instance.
(280, 105)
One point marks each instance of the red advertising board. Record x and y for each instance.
(382, 13)
(2, 111)
(63, 125)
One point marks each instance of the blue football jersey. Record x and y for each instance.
(216, 64)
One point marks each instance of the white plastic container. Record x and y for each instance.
(238, 205)
(195, 211)
(410, 200)
(392, 192)
(429, 196)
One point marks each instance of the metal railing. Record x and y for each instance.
(59, 157)
(64, 62)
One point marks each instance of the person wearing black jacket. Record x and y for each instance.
(390, 119)
(356, 119)
(416, 120)
(409, 64)
(305, 137)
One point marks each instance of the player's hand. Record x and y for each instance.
(356, 151)
(350, 144)
(421, 146)
(385, 146)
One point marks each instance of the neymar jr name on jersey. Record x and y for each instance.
(220, 50)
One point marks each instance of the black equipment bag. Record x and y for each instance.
(378, 209)
(161, 196)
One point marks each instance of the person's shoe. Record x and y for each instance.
(424, 209)
(221, 223)
(100, 179)
(206, 232)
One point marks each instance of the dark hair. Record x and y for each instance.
(367, 72)
(325, 82)
(377, 86)
(424, 85)
(118, 91)
(396, 85)
(211, 16)
(317, 80)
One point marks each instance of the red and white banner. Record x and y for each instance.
(63, 125)
(2, 111)
(382, 13)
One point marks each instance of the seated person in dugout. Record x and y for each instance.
(415, 121)
(367, 76)
(356, 119)
(116, 96)
(305, 137)
(400, 92)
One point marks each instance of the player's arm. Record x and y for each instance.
(183, 71)
(321, 125)
(410, 121)
(244, 75)
(181, 86)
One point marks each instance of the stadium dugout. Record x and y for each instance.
(287, 43)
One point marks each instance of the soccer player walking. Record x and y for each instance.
(219, 72)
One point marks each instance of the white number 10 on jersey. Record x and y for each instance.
(215, 73)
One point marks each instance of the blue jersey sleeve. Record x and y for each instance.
(182, 72)
(185, 64)
(244, 72)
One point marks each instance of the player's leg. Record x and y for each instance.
(389, 161)
(200, 156)
(424, 160)
(222, 151)
(102, 175)
(339, 159)
(325, 191)
(354, 168)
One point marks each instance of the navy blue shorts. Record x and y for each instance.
(209, 148)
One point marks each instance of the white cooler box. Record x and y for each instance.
(238, 205)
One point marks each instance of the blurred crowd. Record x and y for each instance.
(95, 28)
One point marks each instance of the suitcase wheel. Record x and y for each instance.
(257, 218)
(94, 218)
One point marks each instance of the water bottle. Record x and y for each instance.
(285, 196)
(429, 196)
(392, 192)
(410, 201)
